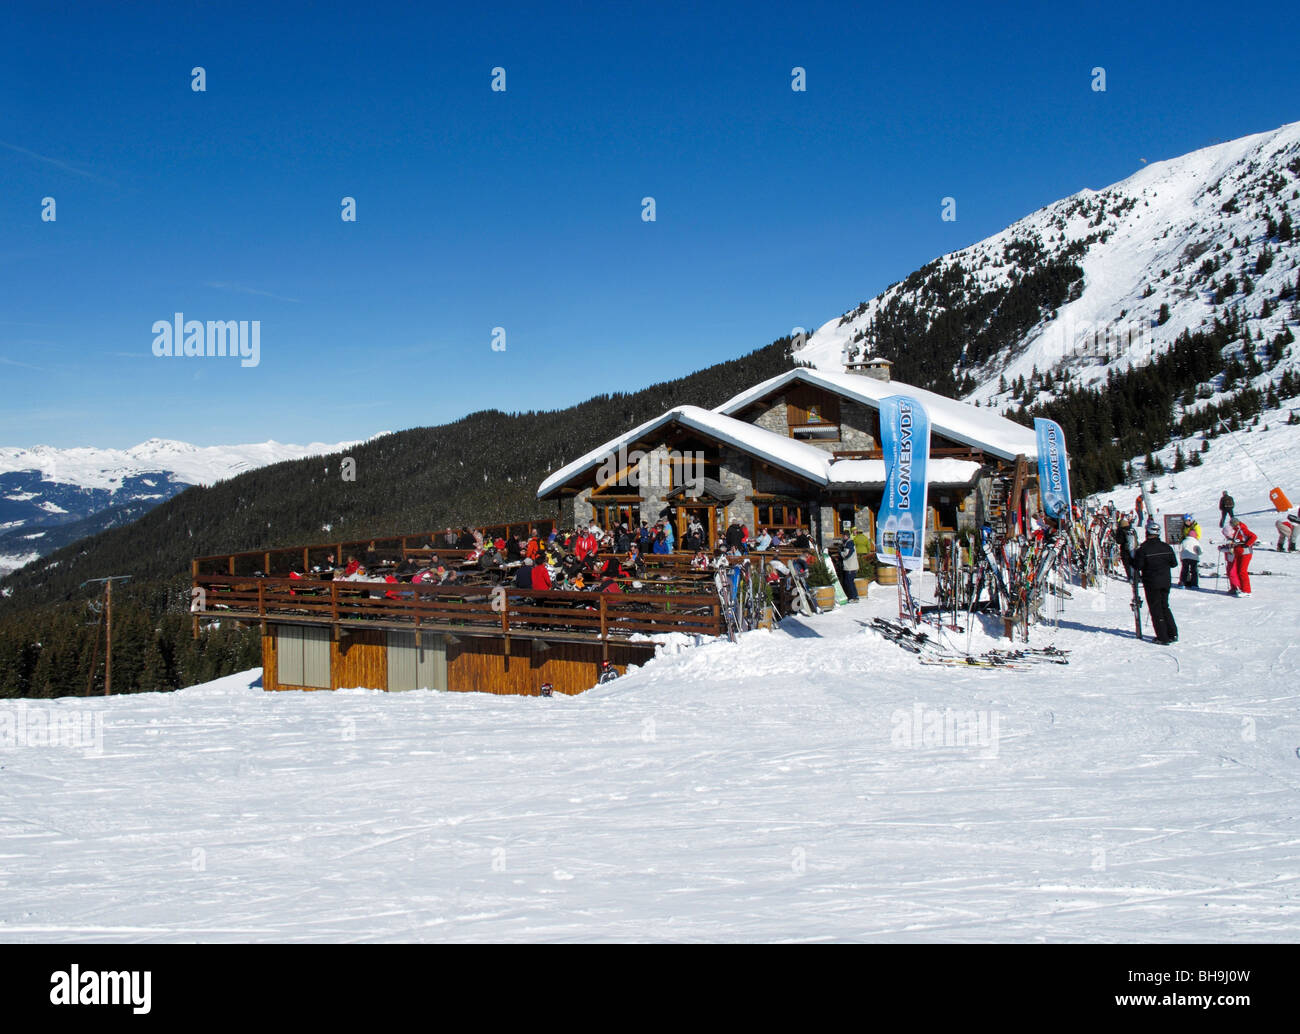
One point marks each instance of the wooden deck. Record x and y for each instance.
(493, 611)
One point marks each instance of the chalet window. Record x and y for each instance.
(302, 656)
(779, 515)
(812, 414)
(610, 515)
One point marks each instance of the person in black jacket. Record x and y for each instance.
(1126, 536)
(1152, 562)
(1226, 506)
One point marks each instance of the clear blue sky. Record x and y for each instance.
(522, 209)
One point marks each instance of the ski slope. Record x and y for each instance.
(749, 791)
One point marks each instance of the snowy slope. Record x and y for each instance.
(762, 790)
(748, 791)
(1141, 244)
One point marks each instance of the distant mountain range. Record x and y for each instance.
(52, 497)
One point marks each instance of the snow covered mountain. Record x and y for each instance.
(50, 497)
(1099, 281)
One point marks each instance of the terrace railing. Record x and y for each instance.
(485, 609)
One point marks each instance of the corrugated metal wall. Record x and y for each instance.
(302, 656)
(416, 667)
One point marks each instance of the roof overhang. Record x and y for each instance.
(794, 457)
(958, 421)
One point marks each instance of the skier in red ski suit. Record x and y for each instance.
(1241, 542)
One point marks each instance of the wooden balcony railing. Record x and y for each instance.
(490, 610)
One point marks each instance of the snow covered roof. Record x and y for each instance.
(805, 460)
(808, 461)
(982, 429)
(844, 473)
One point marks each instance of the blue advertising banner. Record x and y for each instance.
(905, 443)
(1053, 469)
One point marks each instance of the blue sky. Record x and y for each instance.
(478, 209)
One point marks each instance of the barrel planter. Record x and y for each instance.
(862, 585)
(825, 596)
(887, 574)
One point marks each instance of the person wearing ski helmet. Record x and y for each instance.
(1239, 547)
(1152, 563)
(1189, 549)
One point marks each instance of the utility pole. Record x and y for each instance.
(108, 626)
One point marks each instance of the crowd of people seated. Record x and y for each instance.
(556, 559)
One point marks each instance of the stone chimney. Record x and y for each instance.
(870, 367)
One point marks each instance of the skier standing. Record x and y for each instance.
(1127, 538)
(849, 564)
(1190, 551)
(1240, 546)
(1226, 506)
(1152, 563)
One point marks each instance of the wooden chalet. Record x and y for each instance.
(801, 450)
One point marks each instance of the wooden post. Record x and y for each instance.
(231, 563)
(505, 627)
(306, 563)
(108, 638)
(1017, 486)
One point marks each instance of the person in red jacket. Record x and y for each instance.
(541, 577)
(1241, 543)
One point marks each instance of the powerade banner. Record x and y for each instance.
(1053, 469)
(905, 443)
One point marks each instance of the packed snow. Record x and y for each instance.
(814, 782)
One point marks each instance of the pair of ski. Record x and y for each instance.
(909, 639)
(975, 662)
(1050, 655)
